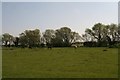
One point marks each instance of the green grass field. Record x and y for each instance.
(60, 63)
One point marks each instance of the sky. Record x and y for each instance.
(20, 16)
(0, 18)
(118, 12)
(60, 0)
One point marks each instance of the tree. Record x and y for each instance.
(98, 32)
(49, 34)
(104, 34)
(75, 37)
(113, 32)
(7, 38)
(30, 38)
(23, 40)
(87, 37)
(42, 41)
(16, 41)
(0, 40)
(118, 32)
(64, 37)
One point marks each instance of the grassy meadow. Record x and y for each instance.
(60, 63)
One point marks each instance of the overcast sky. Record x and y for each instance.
(20, 16)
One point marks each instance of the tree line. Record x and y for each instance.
(100, 35)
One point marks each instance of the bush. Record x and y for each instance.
(117, 45)
(90, 44)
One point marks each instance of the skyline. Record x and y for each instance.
(20, 16)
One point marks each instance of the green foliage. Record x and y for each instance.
(104, 33)
(117, 45)
(49, 35)
(0, 40)
(6, 37)
(30, 38)
(64, 37)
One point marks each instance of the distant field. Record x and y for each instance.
(60, 63)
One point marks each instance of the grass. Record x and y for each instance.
(60, 63)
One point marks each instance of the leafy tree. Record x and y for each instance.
(75, 37)
(113, 31)
(23, 40)
(16, 41)
(87, 37)
(105, 34)
(118, 32)
(42, 41)
(65, 37)
(30, 38)
(48, 35)
(0, 40)
(6, 37)
(98, 32)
